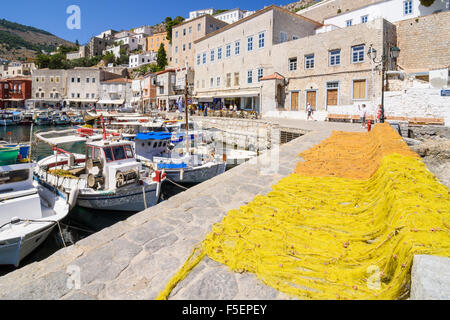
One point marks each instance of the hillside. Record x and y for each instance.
(299, 5)
(20, 42)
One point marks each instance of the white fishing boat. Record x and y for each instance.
(43, 118)
(107, 177)
(153, 151)
(28, 212)
(10, 118)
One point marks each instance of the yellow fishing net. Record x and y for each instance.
(336, 238)
(352, 155)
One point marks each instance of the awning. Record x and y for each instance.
(230, 95)
(82, 100)
(122, 101)
(13, 100)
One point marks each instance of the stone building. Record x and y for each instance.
(49, 87)
(329, 70)
(115, 93)
(185, 34)
(171, 85)
(17, 68)
(231, 61)
(98, 45)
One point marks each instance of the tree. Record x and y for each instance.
(109, 58)
(77, 43)
(426, 3)
(42, 61)
(161, 58)
(170, 24)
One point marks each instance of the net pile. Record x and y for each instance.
(321, 237)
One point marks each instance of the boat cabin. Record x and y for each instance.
(151, 144)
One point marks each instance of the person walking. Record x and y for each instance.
(362, 113)
(309, 111)
(379, 114)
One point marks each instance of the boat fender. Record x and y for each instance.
(182, 174)
(73, 197)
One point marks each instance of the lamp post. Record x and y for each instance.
(372, 53)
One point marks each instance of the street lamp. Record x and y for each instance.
(372, 53)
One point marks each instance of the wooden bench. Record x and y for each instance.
(426, 121)
(337, 117)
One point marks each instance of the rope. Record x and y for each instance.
(178, 185)
(76, 228)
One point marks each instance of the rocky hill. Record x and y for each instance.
(299, 5)
(20, 42)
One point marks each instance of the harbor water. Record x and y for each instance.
(80, 222)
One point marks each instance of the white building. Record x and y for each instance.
(115, 93)
(391, 10)
(131, 41)
(199, 13)
(232, 16)
(147, 30)
(137, 60)
(106, 34)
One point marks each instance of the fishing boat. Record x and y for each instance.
(13, 153)
(154, 150)
(61, 119)
(27, 118)
(43, 118)
(77, 120)
(28, 212)
(106, 177)
(10, 118)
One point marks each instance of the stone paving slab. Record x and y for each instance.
(430, 278)
(135, 259)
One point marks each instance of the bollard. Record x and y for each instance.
(369, 125)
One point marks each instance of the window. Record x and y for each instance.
(42, 79)
(358, 54)
(295, 37)
(184, 47)
(176, 34)
(335, 57)
(283, 37)
(407, 7)
(204, 57)
(176, 49)
(228, 80)
(359, 89)
(87, 95)
(237, 48)
(129, 151)
(199, 26)
(249, 43)
(211, 82)
(261, 40)
(211, 27)
(218, 82)
(79, 80)
(73, 80)
(184, 32)
(219, 53)
(228, 51)
(260, 73)
(364, 19)
(190, 29)
(87, 80)
(309, 61)
(51, 79)
(108, 154)
(249, 76)
(348, 23)
(190, 46)
(236, 78)
(198, 59)
(212, 55)
(292, 64)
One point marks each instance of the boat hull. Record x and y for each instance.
(13, 251)
(126, 199)
(195, 175)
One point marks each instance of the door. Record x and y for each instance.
(311, 99)
(294, 101)
(332, 97)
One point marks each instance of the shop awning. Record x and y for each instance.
(229, 95)
(81, 100)
(118, 102)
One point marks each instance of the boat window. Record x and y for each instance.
(160, 144)
(96, 153)
(155, 145)
(14, 176)
(119, 153)
(89, 152)
(149, 144)
(143, 144)
(108, 154)
(164, 144)
(183, 126)
(129, 152)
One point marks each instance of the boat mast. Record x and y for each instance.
(186, 108)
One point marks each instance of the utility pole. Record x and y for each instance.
(186, 93)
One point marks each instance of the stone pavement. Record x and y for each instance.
(134, 259)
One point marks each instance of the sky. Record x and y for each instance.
(101, 15)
